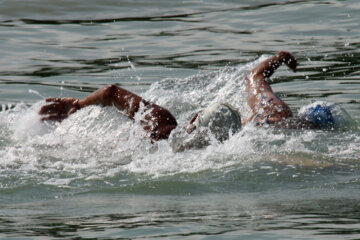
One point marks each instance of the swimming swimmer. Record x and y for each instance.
(266, 107)
(157, 121)
(221, 119)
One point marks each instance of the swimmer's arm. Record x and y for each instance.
(260, 96)
(58, 109)
(267, 68)
(257, 86)
(112, 95)
(158, 121)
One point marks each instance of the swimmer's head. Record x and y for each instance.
(325, 115)
(221, 119)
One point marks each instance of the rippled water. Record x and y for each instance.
(95, 176)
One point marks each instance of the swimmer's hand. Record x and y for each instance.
(59, 108)
(288, 59)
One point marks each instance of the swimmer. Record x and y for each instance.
(157, 121)
(221, 119)
(267, 108)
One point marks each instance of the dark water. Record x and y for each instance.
(93, 177)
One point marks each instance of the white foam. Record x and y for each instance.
(97, 143)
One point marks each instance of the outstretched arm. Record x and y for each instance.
(156, 120)
(265, 105)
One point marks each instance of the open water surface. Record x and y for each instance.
(94, 176)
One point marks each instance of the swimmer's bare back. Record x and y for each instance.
(157, 121)
(265, 105)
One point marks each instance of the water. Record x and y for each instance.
(95, 176)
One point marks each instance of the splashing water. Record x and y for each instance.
(101, 144)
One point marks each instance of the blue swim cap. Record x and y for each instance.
(325, 115)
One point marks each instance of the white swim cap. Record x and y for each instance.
(326, 115)
(221, 119)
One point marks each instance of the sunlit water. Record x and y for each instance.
(96, 175)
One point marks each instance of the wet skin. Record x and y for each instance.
(159, 122)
